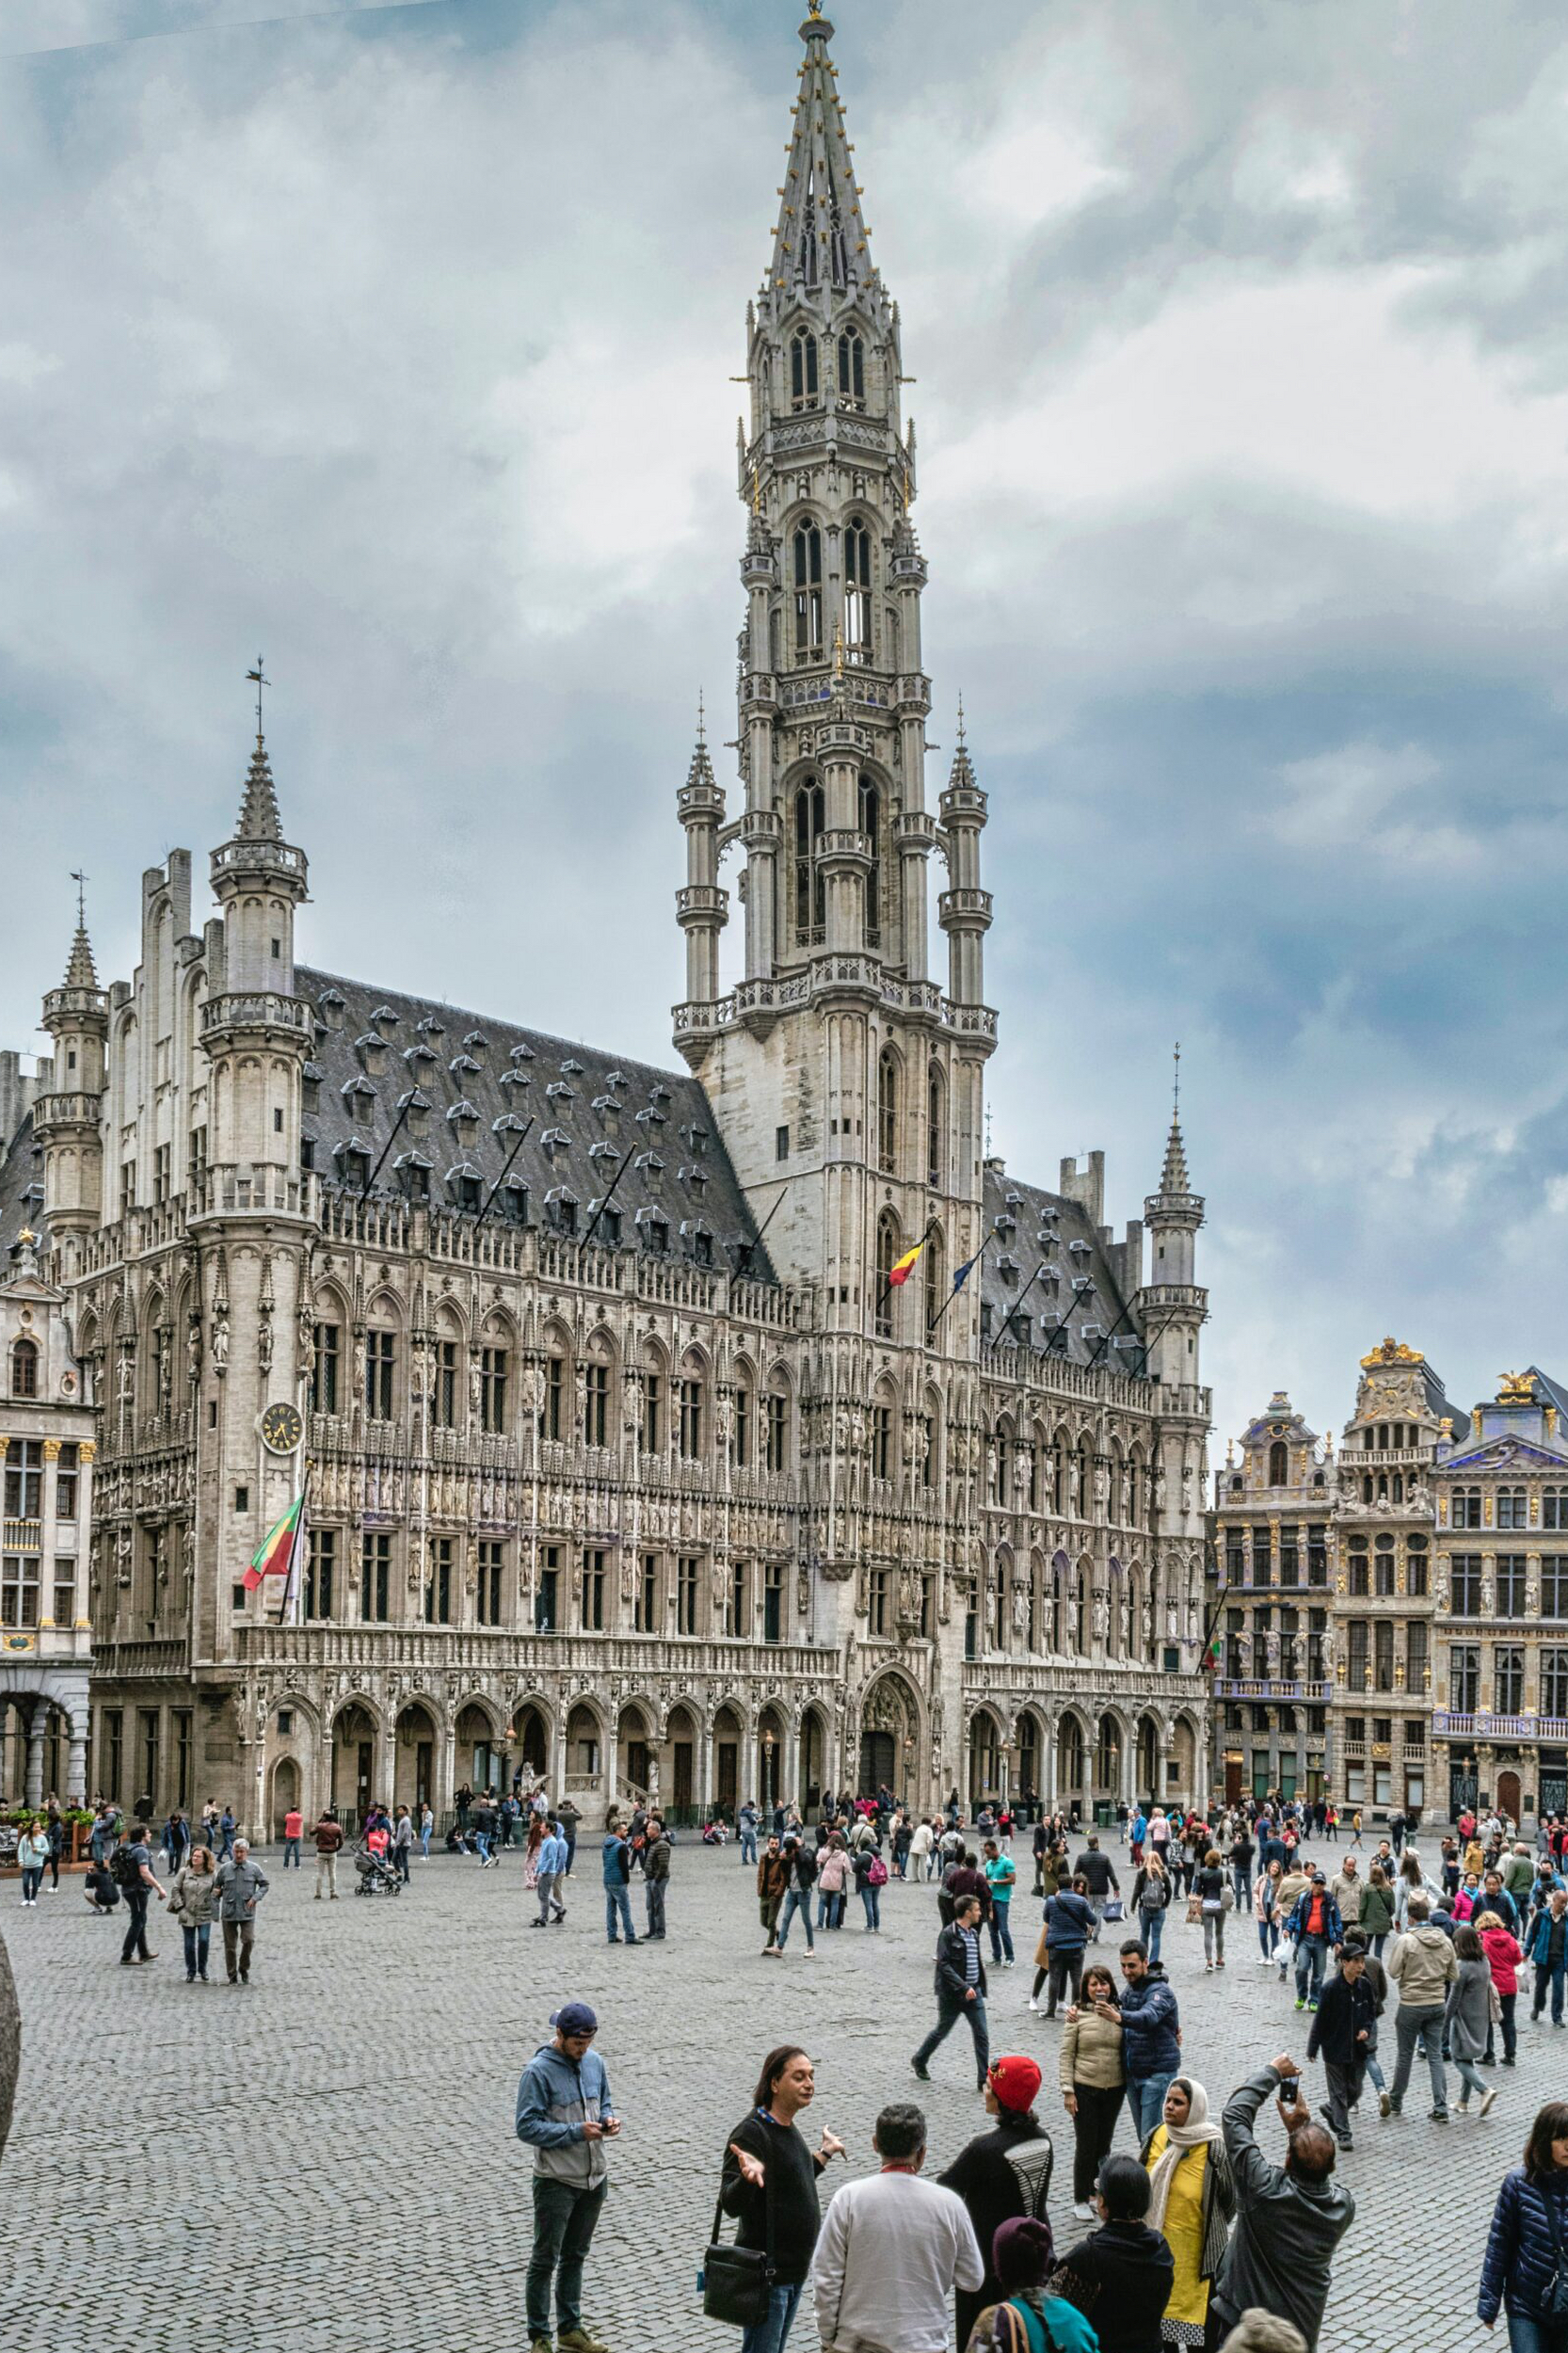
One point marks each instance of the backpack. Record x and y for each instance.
(123, 1870)
(876, 1872)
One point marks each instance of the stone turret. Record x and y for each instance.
(67, 1121)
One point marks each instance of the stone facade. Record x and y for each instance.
(1354, 1718)
(1500, 1729)
(628, 1460)
(46, 1455)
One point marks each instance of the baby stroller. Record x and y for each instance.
(375, 1876)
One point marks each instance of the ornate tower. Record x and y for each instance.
(1172, 1310)
(66, 1121)
(838, 1067)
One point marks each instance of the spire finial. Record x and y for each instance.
(701, 721)
(1175, 1090)
(257, 679)
(962, 739)
(81, 882)
(80, 971)
(837, 650)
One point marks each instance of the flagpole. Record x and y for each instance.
(972, 1263)
(890, 1287)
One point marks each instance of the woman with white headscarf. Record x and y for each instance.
(1192, 2199)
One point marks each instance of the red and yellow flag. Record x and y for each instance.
(274, 1554)
(899, 1271)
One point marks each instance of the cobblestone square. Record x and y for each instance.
(329, 2154)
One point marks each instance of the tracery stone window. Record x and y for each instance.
(889, 1251)
(852, 368)
(857, 591)
(805, 568)
(887, 1112)
(936, 1128)
(810, 883)
(803, 369)
(871, 826)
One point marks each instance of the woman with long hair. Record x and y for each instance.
(1093, 2081)
(768, 2183)
(1265, 1909)
(1466, 2020)
(190, 1902)
(1151, 1900)
(32, 1854)
(1524, 2266)
(1210, 1887)
(1192, 2199)
(531, 1852)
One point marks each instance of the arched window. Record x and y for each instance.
(887, 1112)
(810, 886)
(1279, 1464)
(889, 1251)
(808, 578)
(1002, 1446)
(857, 591)
(852, 368)
(803, 369)
(24, 1369)
(936, 1278)
(936, 1128)
(871, 825)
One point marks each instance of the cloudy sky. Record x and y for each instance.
(395, 342)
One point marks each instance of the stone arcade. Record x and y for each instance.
(664, 1488)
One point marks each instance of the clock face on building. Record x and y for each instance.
(281, 1429)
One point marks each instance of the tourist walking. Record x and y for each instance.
(175, 1842)
(1467, 2018)
(832, 1877)
(329, 1845)
(1343, 2031)
(960, 1982)
(1120, 2276)
(656, 1876)
(1001, 1877)
(1289, 2217)
(1098, 1874)
(746, 1822)
(130, 1869)
(1376, 1915)
(551, 1875)
(1526, 2263)
(1315, 1924)
(1546, 1945)
(1003, 2173)
(773, 1878)
(565, 2113)
(1192, 2199)
(1089, 2069)
(800, 1875)
(1069, 1924)
(294, 1831)
(1422, 1965)
(401, 1843)
(1151, 2036)
(894, 2249)
(1212, 1892)
(1151, 1900)
(191, 1901)
(1505, 1957)
(32, 1854)
(241, 1886)
(769, 2184)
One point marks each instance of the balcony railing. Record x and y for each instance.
(23, 1535)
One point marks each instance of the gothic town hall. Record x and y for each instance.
(626, 1461)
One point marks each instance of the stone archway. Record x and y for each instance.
(354, 1744)
(415, 1747)
(284, 1797)
(890, 1739)
(985, 1760)
(531, 1742)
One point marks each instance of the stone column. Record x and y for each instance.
(76, 1767)
(326, 1768)
(1047, 1775)
(35, 1724)
(84, 1530)
(46, 1531)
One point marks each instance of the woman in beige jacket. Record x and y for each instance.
(1093, 2082)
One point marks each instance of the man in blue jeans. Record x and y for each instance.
(960, 1989)
(565, 2113)
(1315, 1925)
(1151, 2036)
(617, 1901)
(802, 1868)
(746, 1822)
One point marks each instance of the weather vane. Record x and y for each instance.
(258, 679)
(81, 882)
(1175, 1092)
(701, 718)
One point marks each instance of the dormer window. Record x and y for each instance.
(333, 1006)
(310, 1087)
(464, 1185)
(358, 1098)
(349, 1154)
(413, 1170)
(478, 1043)
(652, 1229)
(1083, 1285)
(1006, 1225)
(372, 1051)
(1007, 1267)
(1080, 1248)
(650, 1164)
(572, 1067)
(608, 1108)
(603, 1151)
(608, 1229)
(430, 1026)
(615, 1078)
(560, 1208)
(522, 1051)
(465, 1120)
(384, 1018)
(418, 1109)
(803, 369)
(692, 1177)
(416, 1056)
(559, 1092)
(555, 1140)
(513, 1200)
(462, 1067)
(514, 1078)
(649, 1116)
(852, 368)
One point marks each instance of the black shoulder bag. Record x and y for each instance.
(737, 2281)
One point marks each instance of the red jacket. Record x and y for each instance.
(1503, 1957)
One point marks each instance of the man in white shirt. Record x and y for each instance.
(891, 2252)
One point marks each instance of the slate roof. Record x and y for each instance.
(1017, 1215)
(20, 1186)
(588, 1109)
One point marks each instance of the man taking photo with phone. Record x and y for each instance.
(1289, 2218)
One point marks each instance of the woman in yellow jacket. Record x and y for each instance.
(1193, 2197)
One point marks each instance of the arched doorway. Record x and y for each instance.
(584, 1752)
(1028, 1791)
(531, 1742)
(985, 1760)
(1108, 1761)
(285, 1792)
(478, 1757)
(634, 1772)
(1507, 1796)
(890, 1725)
(1185, 1759)
(729, 1742)
(813, 1752)
(353, 1765)
(677, 1771)
(414, 1759)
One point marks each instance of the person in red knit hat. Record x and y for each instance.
(1004, 2172)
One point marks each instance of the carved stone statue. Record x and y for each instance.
(220, 1344)
(264, 1343)
(1102, 1482)
(1020, 1609)
(1101, 1617)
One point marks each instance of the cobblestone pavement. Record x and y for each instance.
(326, 2159)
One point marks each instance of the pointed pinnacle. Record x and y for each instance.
(81, 972)
(258, 817)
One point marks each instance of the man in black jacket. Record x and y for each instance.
(960, 1989)
(1342, 2030)
(1096, 1868)
(1121, 2276)
(770, 2176)
(1003, 2173)
(1289, 2218)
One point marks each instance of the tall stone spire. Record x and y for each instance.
(1173, 1177)
(81, 972)
(258, 817)
(821, 239)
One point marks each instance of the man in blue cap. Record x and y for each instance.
(565, 2113)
